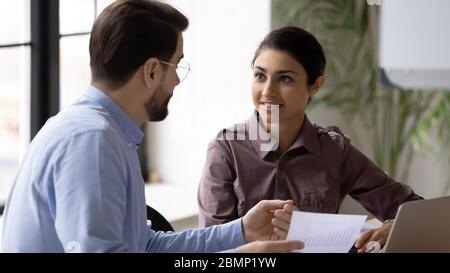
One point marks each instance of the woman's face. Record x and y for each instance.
(278, 79)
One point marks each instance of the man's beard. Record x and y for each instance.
(156, 109)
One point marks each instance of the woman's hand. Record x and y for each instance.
(282, 220)
(379, 235)
(267, 221)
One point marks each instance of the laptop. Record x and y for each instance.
(421, 226)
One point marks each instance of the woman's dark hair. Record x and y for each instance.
(300, 45)
(129, 32)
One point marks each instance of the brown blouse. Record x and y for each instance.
(317, 172)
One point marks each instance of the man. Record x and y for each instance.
(79, 187)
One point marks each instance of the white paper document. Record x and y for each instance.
(325, 233)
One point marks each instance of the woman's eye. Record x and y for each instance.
(285, 79)
(259, 76)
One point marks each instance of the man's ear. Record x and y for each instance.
(152, 72)
(317, 85)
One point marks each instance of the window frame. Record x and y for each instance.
(16, 45)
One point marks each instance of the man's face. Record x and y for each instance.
(157, 106)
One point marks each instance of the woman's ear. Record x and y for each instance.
(152, 72)
(317, 85)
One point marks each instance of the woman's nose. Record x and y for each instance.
(269, 90)
(177, 80)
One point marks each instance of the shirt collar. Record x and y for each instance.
(307, 137)
(129, 128)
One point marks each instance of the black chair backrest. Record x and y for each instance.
(159, 223)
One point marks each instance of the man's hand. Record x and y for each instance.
(268, 220)
(379, 235)
(270, 247)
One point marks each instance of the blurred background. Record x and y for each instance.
(387, 86)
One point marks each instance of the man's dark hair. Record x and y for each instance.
(129, 32)
(300, 45)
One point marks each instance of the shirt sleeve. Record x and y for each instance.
(212, 239)
(90, 191)
(372, 187)
(216, 196)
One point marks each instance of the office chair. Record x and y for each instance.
(159, 223)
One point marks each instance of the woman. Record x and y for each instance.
(315, 167)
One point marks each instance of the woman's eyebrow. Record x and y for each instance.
(286, 71)
(260, 68)
(277, 72)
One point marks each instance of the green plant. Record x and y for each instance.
(401, 122)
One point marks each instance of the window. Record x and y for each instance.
(14, 88)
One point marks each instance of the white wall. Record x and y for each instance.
(219, 45)
(414, 43)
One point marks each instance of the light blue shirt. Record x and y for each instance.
(80, 188)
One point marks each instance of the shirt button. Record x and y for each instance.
(130, 144)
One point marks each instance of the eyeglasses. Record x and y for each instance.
(182, 69)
